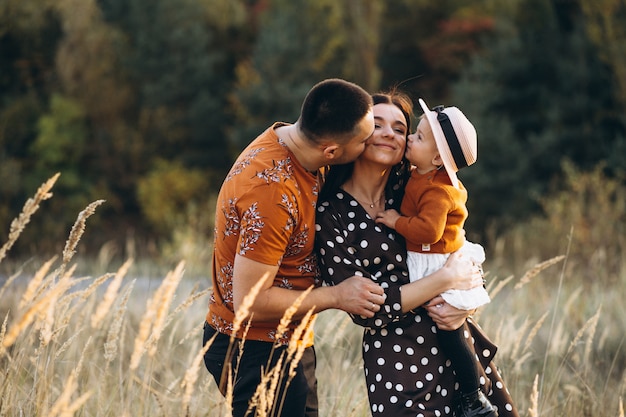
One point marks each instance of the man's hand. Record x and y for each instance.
(444, 315)
(360, 296)
(388, 218)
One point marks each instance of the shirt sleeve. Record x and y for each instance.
(266, 224)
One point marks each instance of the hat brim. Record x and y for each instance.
(441, 142)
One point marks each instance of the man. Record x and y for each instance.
(264, 228)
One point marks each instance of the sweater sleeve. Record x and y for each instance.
(424, 217)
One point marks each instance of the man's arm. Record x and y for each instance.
(356, 295)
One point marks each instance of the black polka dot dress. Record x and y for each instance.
(405, 371)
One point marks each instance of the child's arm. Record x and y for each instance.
(425, 219)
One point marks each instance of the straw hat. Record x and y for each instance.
(455, 137)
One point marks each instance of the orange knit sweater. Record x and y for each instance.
(433, 213)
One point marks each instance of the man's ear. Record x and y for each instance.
(331, 151)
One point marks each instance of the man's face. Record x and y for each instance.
(351, 150)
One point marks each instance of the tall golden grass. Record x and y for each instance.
(119, 344)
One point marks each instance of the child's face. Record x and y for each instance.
(421, 149)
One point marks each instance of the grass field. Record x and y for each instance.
(121, 343)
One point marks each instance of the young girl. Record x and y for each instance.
(433, 214)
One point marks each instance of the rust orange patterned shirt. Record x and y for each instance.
(265, 212)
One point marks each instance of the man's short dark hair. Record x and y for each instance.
(332, 109)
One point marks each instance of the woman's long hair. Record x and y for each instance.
(336, 175)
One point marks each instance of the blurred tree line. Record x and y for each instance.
(146, 103)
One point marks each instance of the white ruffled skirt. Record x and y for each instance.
(422, 264)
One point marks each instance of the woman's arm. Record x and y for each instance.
(459, 272)
(344, 251)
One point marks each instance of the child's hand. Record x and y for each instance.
(388, 218)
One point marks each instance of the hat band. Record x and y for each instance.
(451, 138)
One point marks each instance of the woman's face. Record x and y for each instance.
(387, 144)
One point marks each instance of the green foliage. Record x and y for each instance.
(62, 135)
(181, 93)
(102, 89)
(165, 192)
(531, 112)
(429, 43)
(300, 42)
(585, 216)
(18, 120)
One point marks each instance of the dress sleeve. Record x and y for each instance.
(348, 243)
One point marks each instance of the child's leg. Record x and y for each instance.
(457, 349)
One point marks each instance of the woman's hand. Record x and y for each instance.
(444, 315)
(463, 273)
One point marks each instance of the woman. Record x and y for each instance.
(406, 374)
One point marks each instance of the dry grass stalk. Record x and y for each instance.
(8, 282)
(110, 294)
(228, 365)
(593, 325)
(228, 403)
(498, 287)
(152, 321)
(534, 271)
(62, 407)
(110, 346)
(67, 343)
(63, 400)
(533, 410)
(3, 330)
(189, 301)
(46, 321)
(287, 363)
(142, 336)
(307, 324)
(71, 409)
(167, 291)
(263, 400)
(533, 332)
(191, 375)
(45, 331)
(36, 309)
(65, 306)
(86, 293)
(296, 349)
(589, 324)
(30, 207)
(621, 407)
(79, 365)
(244, 309)
(191, 333)
(519, 335)
(77, 230)
(283, 326)
(35, 283)
(270, 401)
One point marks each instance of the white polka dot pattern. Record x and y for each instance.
(406, 372)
